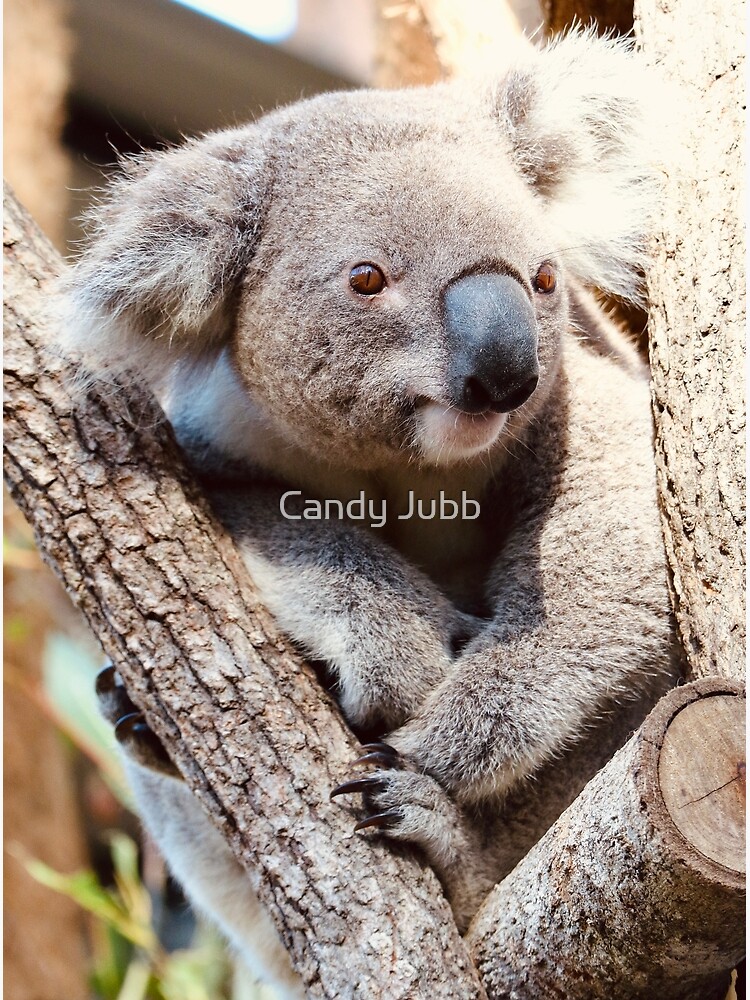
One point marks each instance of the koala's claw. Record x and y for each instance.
(106, 680)
(142, 744)
(129, 725)
(383, 819)
(380, 753)
(376, 757)
(380, 747)
(371, 783)
(405, 804)
(114, 702)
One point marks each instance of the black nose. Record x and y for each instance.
(492, 337)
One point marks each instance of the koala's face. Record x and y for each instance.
(404, 299)
(386, 270)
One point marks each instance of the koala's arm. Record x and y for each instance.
(581, 618)
(349, 599)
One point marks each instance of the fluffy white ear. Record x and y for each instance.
(167, 247)
(586, 120)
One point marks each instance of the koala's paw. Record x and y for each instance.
(406, 805)
(132, 731)
(113, 699)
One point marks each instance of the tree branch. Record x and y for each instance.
(638, 890)
(117, 515)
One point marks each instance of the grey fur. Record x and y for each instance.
(507, 656)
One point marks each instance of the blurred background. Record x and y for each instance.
(91, 78)
(90, 911)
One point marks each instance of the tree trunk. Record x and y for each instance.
(119, 518)
(696, 288)
(638, 890)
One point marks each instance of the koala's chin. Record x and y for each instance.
(445, 435)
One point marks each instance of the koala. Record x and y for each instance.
(369, 317)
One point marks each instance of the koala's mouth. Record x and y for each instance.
(445, 434)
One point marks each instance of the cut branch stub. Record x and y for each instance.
(638, 889)
(702, 778)
(117, 516)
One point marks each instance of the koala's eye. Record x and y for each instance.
(545, 280)
(367, 279)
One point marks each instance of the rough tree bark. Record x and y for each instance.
(696, 288)
(117, 515)
(638, 890)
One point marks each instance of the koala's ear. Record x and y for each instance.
(167, 247)
(585, 120)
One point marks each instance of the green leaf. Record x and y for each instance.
(83, 887)
(138, 978)
(194, 974)
(111, 957)
(15, 629)
(134, 895)
(201, 972)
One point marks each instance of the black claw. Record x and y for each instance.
(379, 819)
(106, 680)
(142, 744)
(114, 702)
(376, 757)
(380, 747)
(132, 724)
(133, 727)
(358, 785)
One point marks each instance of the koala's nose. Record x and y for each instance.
(491, 330)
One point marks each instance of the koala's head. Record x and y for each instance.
(387, 272)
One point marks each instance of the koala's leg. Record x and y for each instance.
(217, 885)
(195, 851)
(386, 631)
